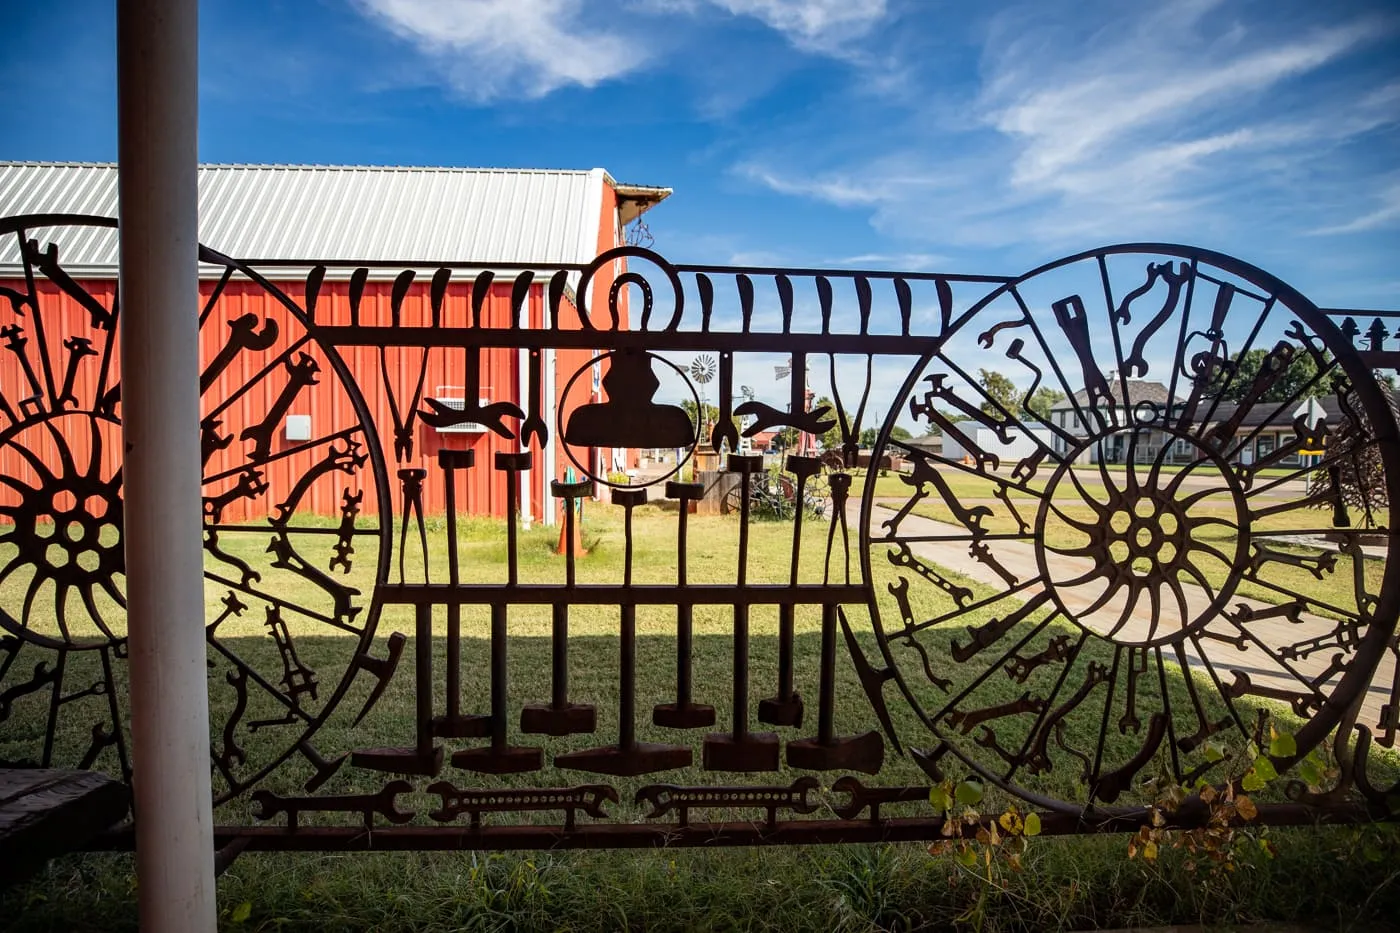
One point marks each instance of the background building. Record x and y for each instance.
(275, 215)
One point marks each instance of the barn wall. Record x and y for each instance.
(247, 389)
(241, 396)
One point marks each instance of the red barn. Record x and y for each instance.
(283, 218)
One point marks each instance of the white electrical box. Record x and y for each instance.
(298, 427)
(461, 427)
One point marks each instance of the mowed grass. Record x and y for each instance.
(1068, 884)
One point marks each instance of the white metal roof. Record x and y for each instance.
(330, 213)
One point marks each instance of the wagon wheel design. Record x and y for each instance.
(288, 592)
(769, 498)
(1157, 572)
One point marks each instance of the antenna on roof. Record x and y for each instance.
(639, 234)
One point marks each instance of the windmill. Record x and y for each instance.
(806, 443)
(702, 370)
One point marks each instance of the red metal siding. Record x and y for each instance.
(248, 388)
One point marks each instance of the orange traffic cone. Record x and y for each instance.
(562, 547)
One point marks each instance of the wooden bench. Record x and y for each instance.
(45, 813)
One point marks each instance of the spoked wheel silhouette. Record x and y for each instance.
(289, 594)
(1159, 571)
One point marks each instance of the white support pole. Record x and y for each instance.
(157, 112)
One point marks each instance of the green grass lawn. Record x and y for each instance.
(1068, 883)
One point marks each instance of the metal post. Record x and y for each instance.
(157, 112)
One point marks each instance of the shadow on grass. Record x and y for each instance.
(1068, 883)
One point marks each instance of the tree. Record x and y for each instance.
(1000, 389)
(711, 418)
(1358, 478)
(1044, 399)
(953, 417)
(869, 436)
(1300, 371)
(831, 438)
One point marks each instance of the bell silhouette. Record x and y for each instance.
(629, 417)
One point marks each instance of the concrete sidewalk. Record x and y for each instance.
(1245, 656)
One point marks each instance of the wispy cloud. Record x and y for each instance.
(1387, 214)
(814, 25)
(823, 26)
(903, 262)
(1152, 122)
(842, 191)
(489, 49)
(1131, 113)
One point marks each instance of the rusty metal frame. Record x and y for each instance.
(1172, 312)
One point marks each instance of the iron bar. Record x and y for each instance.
(500, 757)
(642, 594)
(653, 341)
(683, 713)
(740, 749)
(786, 708)
(826, 708)
(628, 756)
(559, 716)
(706, 835)
(451, 461)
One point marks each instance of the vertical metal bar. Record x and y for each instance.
(423, 675)
(454, 660)
(741, 619)
(157, 157)
(499, 673)
(627, 704)
(569, 555)
(684, 713)
(559, 656)
(454, 610)
(787, 612)
(786, 709)
(499, 757)
(627, 613)
(826, 701)
(559, 716)
(568, 494)
(684, 616)
(786, 633)
(512, 572)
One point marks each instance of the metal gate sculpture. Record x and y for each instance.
(1025, 612)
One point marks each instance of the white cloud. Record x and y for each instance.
(813, 25)
(489, 49)
(1387, 214)
(1154, 81)
(837, 190)
(496, 49)
(904, 262)
(1144, 124)
(816, 25)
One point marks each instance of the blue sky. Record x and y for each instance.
(882, 133)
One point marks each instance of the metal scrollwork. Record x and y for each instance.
(1158, 536)
(1190, 559)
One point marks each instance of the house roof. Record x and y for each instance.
(344, 212)
(1263, 413)
(1139, 390)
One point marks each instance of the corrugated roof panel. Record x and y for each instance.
(334, 212)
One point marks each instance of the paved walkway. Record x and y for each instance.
(1245, 656)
